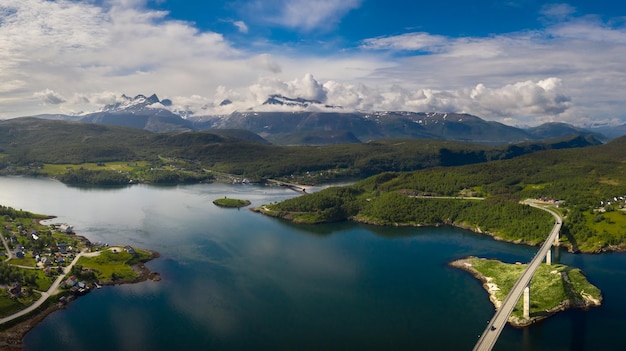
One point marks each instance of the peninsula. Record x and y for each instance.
(47, 266)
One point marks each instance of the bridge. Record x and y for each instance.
(490, 336)
(295, 187)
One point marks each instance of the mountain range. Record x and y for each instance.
(327, 124)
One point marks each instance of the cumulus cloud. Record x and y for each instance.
(541, 99)
(527, 98)
(307, 87)
(50, 97)
(582, 54)
(81, 55)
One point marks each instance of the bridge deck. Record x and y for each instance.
(489, 337)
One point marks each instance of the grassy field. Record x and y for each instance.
(8, 306)
(613, 222)
(114, 264)
(57, 169)
(26, 261)
(550, 286)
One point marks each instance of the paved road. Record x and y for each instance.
(6, 247)
(489, 337)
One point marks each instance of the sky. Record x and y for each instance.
(519, 62)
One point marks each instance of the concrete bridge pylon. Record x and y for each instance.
(527, 301)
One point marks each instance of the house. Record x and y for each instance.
(62, 248)
(15, 289)
(46, 261)
(66, 228)
(129, 249)
(71, 281)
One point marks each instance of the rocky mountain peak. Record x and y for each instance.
(134, 103)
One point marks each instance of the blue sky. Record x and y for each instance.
(520, 62)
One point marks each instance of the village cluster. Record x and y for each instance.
(49, 255)
(56, 254)
(619, 201)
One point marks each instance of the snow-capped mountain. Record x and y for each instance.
(301, 121)
(281, 100)
(143, 112)
(139, 102)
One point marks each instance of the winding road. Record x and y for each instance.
(490, 336)
(53, 290)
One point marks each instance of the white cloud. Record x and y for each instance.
(241, 26)
(307, 87)
(544, 98)
(50, 97)
(265, 62)
(77, 47)
(407, 41)
(77, 56)
(306, 15)
(558, 11)
(582, 54)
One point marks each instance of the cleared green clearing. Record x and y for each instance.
(529, 187)
(8, 306)
(229, 202)
(114, 264)
(549, 288)
(43, 281)
(57, 169)
(612, 222)
(26, 261)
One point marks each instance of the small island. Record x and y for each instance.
(554, 288)
(231, 203)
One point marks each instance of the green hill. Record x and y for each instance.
(26, 144)
(589, 184)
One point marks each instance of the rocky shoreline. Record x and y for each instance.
(11, 337)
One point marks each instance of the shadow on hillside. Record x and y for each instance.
(571, 239)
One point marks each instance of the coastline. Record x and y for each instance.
(12, 336)
(473, 228)
(584, 302)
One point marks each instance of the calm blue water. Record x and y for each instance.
(237, 280)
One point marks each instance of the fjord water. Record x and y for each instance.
(237, 280)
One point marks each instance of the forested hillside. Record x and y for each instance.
(26, 144)
(589, 186)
